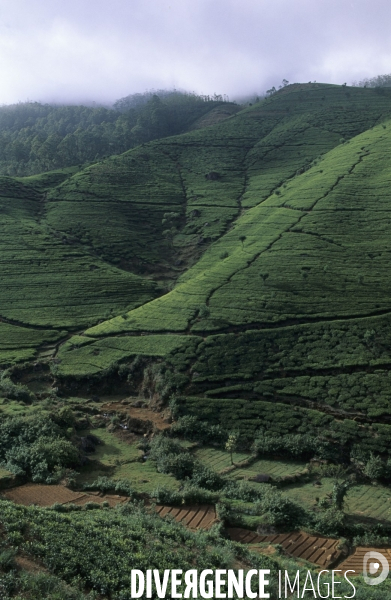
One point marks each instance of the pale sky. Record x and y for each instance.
(85, 50)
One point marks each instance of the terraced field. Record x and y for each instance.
(363, 500)
(242, 267)
(47, 495)
(218, 460)
(193, 517)
(371, 501)
(274, 226)
(273, 468)
(238, 273)
(318, 550)
(355, 561)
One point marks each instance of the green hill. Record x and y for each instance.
(249, 259)
(38, 137)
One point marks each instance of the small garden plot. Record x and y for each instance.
(41, 495)
(193, 517)
(307, 493)
(273, 468)
(355, 562)
(370, 501)
(315, 549)
(219, 459)
(364, 500)
(144, 478)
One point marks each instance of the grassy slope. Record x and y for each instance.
(291, 220)
(303, 267)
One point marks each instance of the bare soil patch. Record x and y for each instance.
(355, 561)
(318, 550)
(193, 517)
(27, 564)
(47, 495)
(157, 419)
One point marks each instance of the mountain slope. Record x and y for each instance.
(271, 228)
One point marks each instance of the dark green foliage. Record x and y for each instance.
(189, 494)
(281, 511)
(242, 490)
(14, 391)
(98, 548)
(192, 428)
(374, 468)
(105, 484)
(330, 522)
(36, 448)
(171, 458)
(36, 137)
(204, 477)
(296, 446)
(7, 560)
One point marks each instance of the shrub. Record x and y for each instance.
(228, 515)
(374, 467)
(15, 391)
(170, 457)
(206, 478)
(203, 311)
(191, 428)
(293, 445)
(104, 484)
(281, 511)
(92, 506)
(190, 494)
(244, 491)
(7, 560)
(164, 495)
(179, 465)
(161, 445)
(330, 522)
(193, 494)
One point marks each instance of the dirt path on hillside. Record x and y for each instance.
(159, 420)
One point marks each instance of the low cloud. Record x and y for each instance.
(93, 50)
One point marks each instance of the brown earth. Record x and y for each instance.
(318, 550)
(47, 495)
(157, 419)
(27, 564)
(193, 517)
(356, 560)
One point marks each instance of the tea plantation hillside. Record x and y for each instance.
(244, 265)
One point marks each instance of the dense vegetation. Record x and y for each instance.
(38, 137)
(235, 275)
(97, 548)
(36, 448)
(271, 229)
